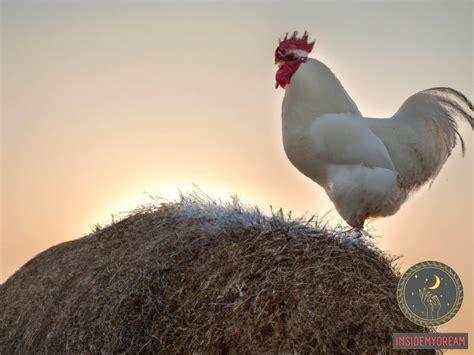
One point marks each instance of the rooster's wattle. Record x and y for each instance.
(367, 166)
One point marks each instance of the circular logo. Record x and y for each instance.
(430, 293)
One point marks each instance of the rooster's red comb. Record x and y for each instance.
(294, 42)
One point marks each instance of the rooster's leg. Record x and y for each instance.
(358, 233)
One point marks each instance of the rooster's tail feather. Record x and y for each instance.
(455, 102)
(423, 133)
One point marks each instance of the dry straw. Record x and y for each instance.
(206, 277)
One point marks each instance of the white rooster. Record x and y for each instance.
(367, 166)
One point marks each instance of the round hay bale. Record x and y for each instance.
(198, 276)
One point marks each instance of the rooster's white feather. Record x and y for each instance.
(367, 166)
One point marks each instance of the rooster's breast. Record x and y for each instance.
(301, 153)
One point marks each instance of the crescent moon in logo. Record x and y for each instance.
(436, 284)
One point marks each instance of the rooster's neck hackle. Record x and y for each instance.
(315, 91)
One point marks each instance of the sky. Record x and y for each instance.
(105, 103)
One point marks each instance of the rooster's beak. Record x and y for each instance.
(279, 62)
